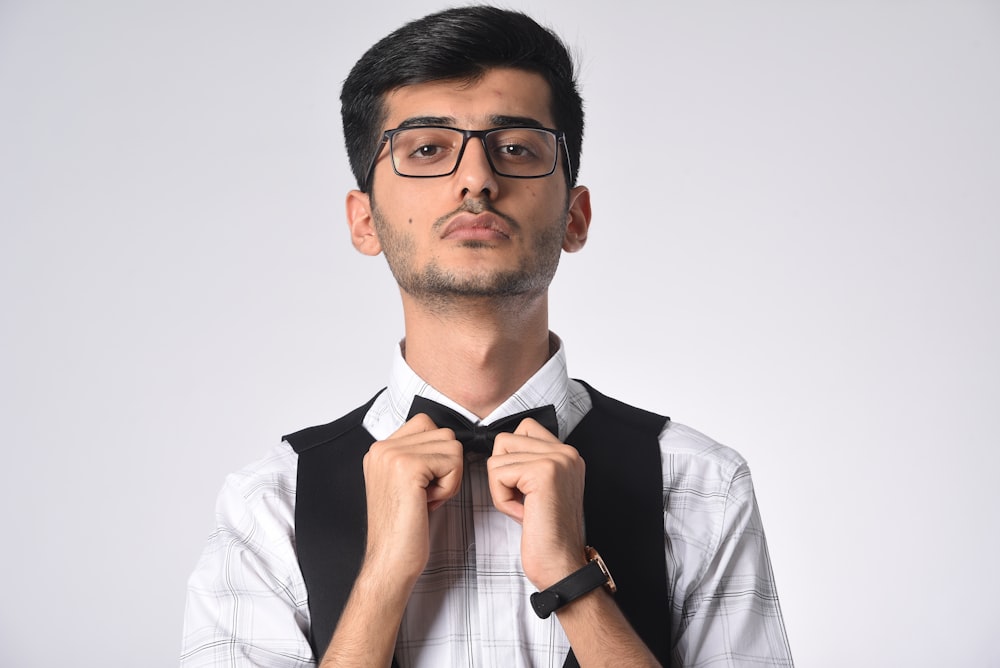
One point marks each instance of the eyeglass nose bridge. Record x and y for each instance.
(466, 136)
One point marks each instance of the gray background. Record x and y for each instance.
(794, 249)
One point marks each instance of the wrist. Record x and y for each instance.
(593, 575)
(557, 569)
(390, 579)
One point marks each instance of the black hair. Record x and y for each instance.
(459, 43)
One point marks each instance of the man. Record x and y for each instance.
(404, 533)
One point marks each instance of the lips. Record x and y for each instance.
(476, 226)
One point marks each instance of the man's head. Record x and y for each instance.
(455, 44)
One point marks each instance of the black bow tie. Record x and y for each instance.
(479, 438)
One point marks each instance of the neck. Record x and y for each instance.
(477, 353)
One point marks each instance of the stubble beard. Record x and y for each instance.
(440, 288)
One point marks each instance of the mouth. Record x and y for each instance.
(484, 226)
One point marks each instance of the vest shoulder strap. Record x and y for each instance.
(310, 437)
(331, 516)
(623, 511)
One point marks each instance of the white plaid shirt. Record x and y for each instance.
(247, 603)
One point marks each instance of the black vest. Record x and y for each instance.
(623, 514)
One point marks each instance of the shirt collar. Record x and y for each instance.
(549, 385)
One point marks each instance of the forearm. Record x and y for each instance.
(601, 636)
(366, 633)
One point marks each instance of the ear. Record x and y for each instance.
(361, 223)
(578, 219)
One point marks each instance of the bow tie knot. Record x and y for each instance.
(478, 437)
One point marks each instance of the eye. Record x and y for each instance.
(426, 151)
(415, 148)
(514, 150)
(520, 147)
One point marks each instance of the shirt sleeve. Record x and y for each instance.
(725, 602)
(246, 601)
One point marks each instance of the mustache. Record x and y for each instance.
(475, 207)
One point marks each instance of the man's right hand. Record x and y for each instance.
(409, 474)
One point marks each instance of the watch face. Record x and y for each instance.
(593, 555)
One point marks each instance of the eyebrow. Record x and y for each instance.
(418, 121)
(507, 121)
(496, 121)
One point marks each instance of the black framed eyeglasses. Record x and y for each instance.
(428, 151)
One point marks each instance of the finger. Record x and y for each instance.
(507, 498)
(537, 440)
(396, 451)
(417, 430)
(420, 422)
(423, 462)
(445, 474)
(525, 472)
(517, 474)
(533, 428)
(419, 458)
(427, 473)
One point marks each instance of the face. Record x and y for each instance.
(472, 233)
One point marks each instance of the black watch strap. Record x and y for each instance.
(573, 586)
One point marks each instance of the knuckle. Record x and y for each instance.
(422, 420)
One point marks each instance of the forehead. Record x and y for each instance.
(472, 104)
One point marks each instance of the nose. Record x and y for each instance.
(474, 176)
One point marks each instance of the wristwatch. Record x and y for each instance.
(574, 585)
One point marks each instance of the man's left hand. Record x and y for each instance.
(538, 481)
